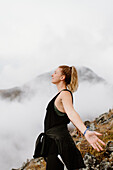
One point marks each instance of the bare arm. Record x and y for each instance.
(76, 120)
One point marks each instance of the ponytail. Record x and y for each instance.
(73, 85)
(71, 78)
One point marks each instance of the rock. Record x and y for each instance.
(84, 146)
(87, 123)
(92, 127)
(102, 118)
(104, 165)
(90, 124)
(33, 164)
(111, 157)
(105, 117)
(90, 161)
(111, 124)
(109, 146)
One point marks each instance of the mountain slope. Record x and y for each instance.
(43, 83)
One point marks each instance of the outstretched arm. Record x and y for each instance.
(91, 136)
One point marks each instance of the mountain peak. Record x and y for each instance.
(43, 83)
(88, 75)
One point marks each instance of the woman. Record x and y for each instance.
(60, 111)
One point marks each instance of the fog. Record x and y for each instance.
(36, 36)
(21, 122)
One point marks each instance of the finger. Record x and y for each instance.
(101, 141)
(95, 147)
(99, 146)
(97, 133)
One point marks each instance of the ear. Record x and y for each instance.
(62, 77)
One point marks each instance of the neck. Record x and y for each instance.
(61, 87)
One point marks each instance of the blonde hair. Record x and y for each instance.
(71, 77)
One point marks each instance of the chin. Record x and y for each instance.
(53, 82)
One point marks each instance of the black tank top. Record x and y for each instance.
(52, 118)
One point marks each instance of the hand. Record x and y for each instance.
(93, 139)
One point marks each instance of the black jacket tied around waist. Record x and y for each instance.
(57, 133)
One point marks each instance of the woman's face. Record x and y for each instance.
(57, 76)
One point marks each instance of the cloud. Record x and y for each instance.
(20, 124)
(46, 34)
(93, 100)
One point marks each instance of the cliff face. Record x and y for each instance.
(94, 160)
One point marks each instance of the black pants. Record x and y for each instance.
(54, 163)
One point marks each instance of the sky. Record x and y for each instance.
(38, 36)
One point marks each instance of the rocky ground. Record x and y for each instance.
(93, 159)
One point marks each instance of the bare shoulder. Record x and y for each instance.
(66, 95)
(66, 99)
